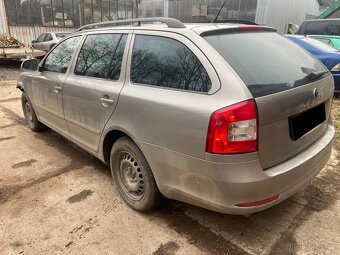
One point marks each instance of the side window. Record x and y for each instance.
(316, 28)
(41, 38)
(326, 41)
(59, 59)
(165, 62)
(48, 37)
(336, 28)
(101, 56)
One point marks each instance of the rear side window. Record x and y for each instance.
(61, 35)
(266, 61)
(48, 38)
(101, 56)
(165, 62)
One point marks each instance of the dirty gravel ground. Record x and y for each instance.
(57, 199)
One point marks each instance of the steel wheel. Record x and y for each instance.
(132, 176)
(29, 112)
(30, 116)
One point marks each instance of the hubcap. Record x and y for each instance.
(29, 113)
(132, 176)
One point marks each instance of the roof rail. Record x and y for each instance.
(233, 21)
(170, 22)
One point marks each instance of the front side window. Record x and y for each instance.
(41, 38)
(101, 56)
(59, 59)
(165, 62)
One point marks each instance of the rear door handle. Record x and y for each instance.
(57, 89)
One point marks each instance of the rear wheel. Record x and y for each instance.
(133, 176)
(31, 118)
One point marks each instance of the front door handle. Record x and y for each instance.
(106, 101)
(57, 89)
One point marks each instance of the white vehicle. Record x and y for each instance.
(46, 41)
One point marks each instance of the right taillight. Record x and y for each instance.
(233, 130)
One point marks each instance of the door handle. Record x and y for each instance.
(57, 89)
(106, 101)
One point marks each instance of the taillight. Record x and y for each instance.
(233, 129)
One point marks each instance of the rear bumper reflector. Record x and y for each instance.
(257, 203)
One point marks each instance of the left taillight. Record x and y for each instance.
(233, 130)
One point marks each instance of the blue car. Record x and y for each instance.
(328, 55)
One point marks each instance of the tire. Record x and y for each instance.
(31, 118)
(133, 176)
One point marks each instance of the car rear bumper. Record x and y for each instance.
(219, 186)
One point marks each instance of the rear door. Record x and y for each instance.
(293, 90)
(91, 91)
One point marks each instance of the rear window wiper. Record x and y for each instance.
(312, 76)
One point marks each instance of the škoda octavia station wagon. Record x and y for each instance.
(230, 117)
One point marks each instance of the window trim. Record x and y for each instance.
(210, 70)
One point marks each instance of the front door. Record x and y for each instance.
(38, 43)
(47, 85)
(91, 92)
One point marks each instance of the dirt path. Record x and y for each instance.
(57, 199)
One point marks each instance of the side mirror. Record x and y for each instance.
(34, 41)
(30, 65)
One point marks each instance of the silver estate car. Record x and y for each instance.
(230, 117)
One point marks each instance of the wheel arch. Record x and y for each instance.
(110, 138)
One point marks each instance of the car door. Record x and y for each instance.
(47, 85)
(38, 43)
(91, 91)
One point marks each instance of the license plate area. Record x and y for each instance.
(304, 122)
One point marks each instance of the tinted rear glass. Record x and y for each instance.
(266, 61)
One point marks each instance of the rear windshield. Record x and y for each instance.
(266, 62)
(62, 35)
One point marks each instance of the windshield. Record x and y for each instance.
(266, 61)
(62, 35)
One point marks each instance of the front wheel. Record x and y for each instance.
(31, 118)
(133, 176)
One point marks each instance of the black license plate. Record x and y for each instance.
(302, 123)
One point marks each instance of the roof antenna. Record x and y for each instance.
(219, 12)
